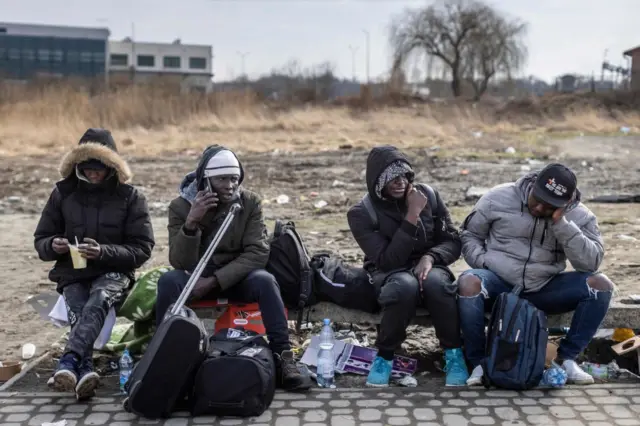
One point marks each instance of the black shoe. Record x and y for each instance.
(88, 380)
(290, 378)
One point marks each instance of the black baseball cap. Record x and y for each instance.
(555, 185)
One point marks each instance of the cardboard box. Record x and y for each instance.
(9, 369)
(552, 353)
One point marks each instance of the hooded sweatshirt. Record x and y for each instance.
(397, 244)
(244, 247)
(113, 213)
(501, 235)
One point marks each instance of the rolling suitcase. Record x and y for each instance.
(165, 373)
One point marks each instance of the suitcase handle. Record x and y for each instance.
(205, 259)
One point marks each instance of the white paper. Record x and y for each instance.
(58, 316)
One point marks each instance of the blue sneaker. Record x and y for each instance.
(88, 382)
(380, 373)
(65, 378)
(455, 367)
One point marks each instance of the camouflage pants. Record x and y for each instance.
(88, 304)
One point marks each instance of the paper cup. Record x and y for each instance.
(79, 262)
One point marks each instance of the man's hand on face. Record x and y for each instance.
(558, 214)
(204, 202)
(203, 287)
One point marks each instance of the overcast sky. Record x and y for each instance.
(564, 35)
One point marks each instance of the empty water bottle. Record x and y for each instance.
(126, 366)
(326, 359)
(554, 377)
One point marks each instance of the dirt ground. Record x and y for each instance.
(605, 165)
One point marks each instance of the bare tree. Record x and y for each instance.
(496, 48)
(467, 36)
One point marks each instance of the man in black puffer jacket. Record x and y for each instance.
(407, 254)
(110, 219)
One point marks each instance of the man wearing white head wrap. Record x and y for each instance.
(236, 270)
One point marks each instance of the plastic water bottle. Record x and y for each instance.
(326, 360)
(554, 377)
(126, 365)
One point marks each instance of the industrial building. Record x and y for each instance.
(28, 51)
(185, 64)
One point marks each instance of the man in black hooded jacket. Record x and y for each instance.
(110, 219)
(407, 254)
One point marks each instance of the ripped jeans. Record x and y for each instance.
(566, 292)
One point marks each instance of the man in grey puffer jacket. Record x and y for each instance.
(523, 233)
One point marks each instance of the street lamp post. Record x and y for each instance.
(367, 38)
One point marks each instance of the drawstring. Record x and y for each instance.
(521, 208)
(544, 232)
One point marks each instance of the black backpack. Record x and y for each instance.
(289, 263)
(426, 189)
(237, 377)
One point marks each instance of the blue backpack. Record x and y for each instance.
(516, 344)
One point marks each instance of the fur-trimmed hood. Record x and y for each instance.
(96, 144)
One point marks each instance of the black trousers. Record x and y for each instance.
(399, 298)
(259, 287)
(88, 305)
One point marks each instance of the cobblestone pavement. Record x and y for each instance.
(572, 406)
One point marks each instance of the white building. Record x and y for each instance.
(189, 65)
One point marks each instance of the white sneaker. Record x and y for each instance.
(476, 377)
(575, 374)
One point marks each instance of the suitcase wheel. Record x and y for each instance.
(125, 405)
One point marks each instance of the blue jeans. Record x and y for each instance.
(566, 292)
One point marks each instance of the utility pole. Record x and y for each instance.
(367, 38)
(242, 63)
(134, 62)
(353, 50)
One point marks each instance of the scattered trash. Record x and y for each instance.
(626, 237)
(358, 359)
(525, 168)
(8, 369)
(477, 134)
(601, 371)
(622, 334)
(534, 162)
(313, 194)
(62, 422)
(338, 184)
(408, 381)
(616, 199)
(635, 298)
(320, 204)
(282, 199)
(464, 172)
(475, 192)
(604, 333)
(28, 351)
(553, 377)
(625, 130)
(510, 150)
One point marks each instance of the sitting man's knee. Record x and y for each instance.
(262, 279)
(401, 286)
(600, 282)
(170, 279)
(469, 285)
